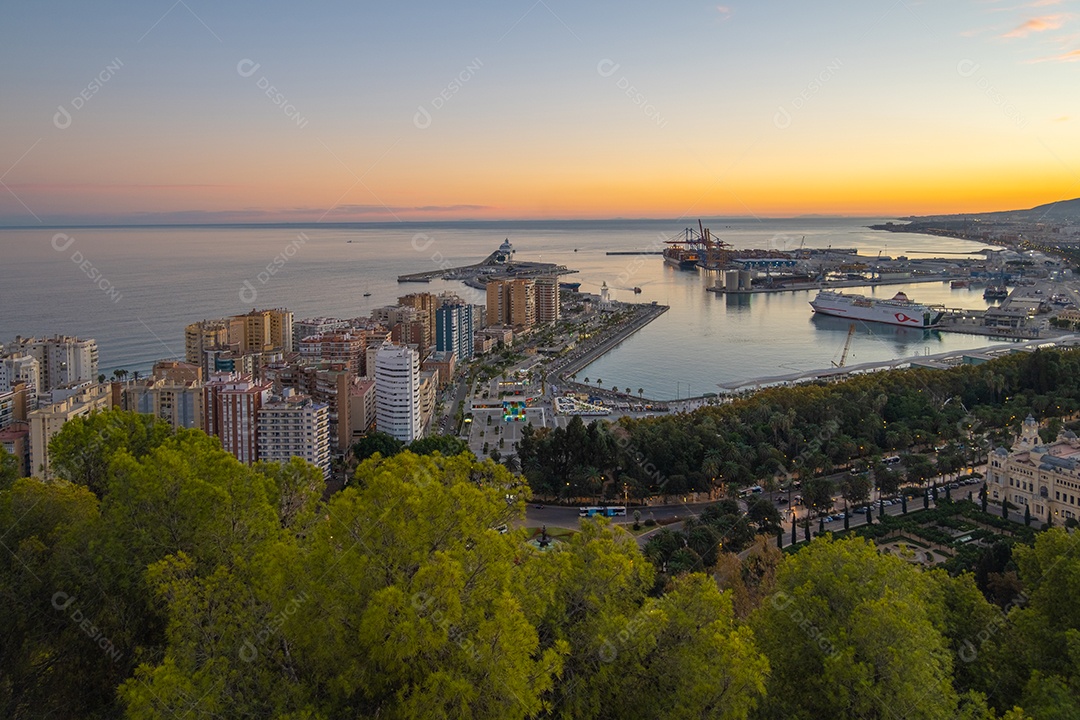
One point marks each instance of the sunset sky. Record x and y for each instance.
(192, 111)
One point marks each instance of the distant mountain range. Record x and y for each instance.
(1060, 211)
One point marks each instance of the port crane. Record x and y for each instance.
(715, 252)
(847, 346)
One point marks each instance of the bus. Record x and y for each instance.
(610, 511)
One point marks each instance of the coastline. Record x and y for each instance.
(561, 372)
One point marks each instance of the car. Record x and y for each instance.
(887, 503)
(891, 460)
(953, 486)
(841, 516)
(781, 499)
(860, 510)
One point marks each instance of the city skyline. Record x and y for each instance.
(192, 113)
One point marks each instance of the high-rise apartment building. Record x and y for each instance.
(177, 402)
(202, 338)
(45, 422)
(231, 406)
(295, 425)
(397, 392)
(362, 408)
(454, 330)
(511, 302)
(316, 326)
(547, 298)
(62, 360)
(339, 348)
(24, 370)
(427, 304)
(262, 330)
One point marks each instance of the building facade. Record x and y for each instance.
(62, 360)
(427, 304)
(316, 326)
(294, 425)
(176, 402)
(454, 330)
(346, 349)
(46, 421)
(203, 338)
(231, 404)
(547, 298)
(362, 407)
(512, 302)
(22, 369)
(1044, 477)
(397, 392)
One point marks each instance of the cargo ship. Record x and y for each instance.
(995, 292)
(898, 310)
(681, 255)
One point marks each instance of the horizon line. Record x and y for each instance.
(488, 221)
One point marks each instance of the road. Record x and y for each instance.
(559, 516)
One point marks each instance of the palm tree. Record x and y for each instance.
(641, 392)
(586, 381)
(100, 379)
(599, 381)
(614, 388)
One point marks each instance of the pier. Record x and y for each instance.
(862, 282)
(582, 357)
(493, 266)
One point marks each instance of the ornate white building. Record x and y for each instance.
(1044, 477)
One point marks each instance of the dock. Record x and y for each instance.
(830, 284)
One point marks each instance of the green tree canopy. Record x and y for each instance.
(376, 442)
(850, 633)
(84, 447)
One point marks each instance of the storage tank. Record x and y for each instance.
(731, 281)
(746, 278)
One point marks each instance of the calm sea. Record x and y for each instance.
(135, 288)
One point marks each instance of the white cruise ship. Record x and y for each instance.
(898, 310)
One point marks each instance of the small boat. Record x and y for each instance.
(637, 291)
(367, 294)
